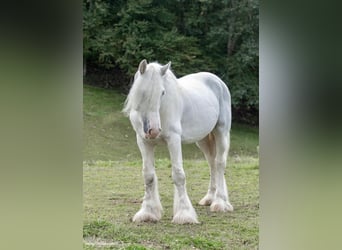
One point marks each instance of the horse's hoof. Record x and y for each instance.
(221, 206)
(206, 201)
(185, 217)
(142, 216)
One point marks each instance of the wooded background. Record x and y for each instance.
(219, 36)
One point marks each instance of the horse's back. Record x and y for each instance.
(206, 82)
(205, 79)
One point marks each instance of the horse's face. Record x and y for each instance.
(148, 92)
(147, 125)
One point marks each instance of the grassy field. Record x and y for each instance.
(113, 186)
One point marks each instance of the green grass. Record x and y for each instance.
(113, 187)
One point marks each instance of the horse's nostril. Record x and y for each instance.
(150, 131)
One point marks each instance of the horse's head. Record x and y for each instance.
(145, 97)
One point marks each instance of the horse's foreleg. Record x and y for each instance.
(183, 211)
(151, 207)
(221, 201)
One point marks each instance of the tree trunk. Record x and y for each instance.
(84, 67)
(230, 46)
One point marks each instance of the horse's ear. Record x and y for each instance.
(142, 66)
(165, 68)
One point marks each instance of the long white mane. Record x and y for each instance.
(146, 88)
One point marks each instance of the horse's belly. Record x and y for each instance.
(195, 126)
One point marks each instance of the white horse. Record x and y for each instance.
(194, 108)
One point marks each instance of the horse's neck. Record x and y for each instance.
(174, 91)
(173, 99)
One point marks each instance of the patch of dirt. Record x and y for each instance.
(116, 200)
(98, 242)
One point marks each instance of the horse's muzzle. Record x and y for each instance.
(152, 133)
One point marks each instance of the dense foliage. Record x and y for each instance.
(220, 36)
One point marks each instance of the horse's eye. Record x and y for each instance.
(163, 92)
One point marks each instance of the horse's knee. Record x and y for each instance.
(149, 178)
(220, 163)
(178, 176)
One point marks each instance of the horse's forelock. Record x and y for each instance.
(145, 90)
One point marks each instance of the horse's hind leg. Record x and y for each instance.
(208, 147)
(221, 200)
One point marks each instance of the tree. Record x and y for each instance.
(220, 36)
(146, 30)
(98, 33)
(228, 31)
